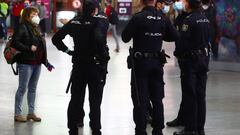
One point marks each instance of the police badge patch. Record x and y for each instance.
(184, 27)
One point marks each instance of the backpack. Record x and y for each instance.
(113, 18)
(11, 54)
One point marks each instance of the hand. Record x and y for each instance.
(70, 53)
(33, 48)
(63, 21)
(50, 67)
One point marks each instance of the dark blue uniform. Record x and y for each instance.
(89, 68)
(147, 29)
(180, 117)
(193, 54)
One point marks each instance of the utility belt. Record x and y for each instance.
(98, 61)
(161, 56)
(194, 54)
(95, 59)
(139, 55)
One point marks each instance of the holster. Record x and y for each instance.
(163, 57)
(130, 58)
(101, 62)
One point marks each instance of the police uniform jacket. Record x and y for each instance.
(88, 40)
(195, 32)
(148, 28)
(178, 22)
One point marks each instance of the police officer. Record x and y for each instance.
(194, 56)
(178, 22)
(147, 29)
(160, 6)
(89, 60)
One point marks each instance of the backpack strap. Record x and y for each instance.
(15, 71)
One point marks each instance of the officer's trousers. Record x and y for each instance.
(194, 80)
(181, 113)
(147, 83)
(82, 75)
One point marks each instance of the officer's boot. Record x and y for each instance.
(174, 123)
(201, 132)
(80, 124)
(157, 132)
(73, 132)
(96, 132)
(185, 132)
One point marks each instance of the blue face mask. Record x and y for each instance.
(26, 5)
(178, 5)
(166, 9)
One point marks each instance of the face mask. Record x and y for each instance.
(36, 20)
(166, 9)
(205, 7)
(178, 5)
(26, 5)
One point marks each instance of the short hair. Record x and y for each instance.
(160, 1)
(88, 7)
(147, 1)
(26, 14)
(195, 4)
(206, 1)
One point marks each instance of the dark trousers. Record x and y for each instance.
(150, 86)
(194, 80)
(83, 75)
(180, 115)
(4, 25)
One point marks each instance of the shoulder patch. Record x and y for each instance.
(184, 27)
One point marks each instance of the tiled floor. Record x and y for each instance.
(223, 98)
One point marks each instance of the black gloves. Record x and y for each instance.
(69, 52)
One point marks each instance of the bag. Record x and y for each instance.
(113, 18)
(11, 54)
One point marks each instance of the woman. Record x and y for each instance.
(27, 39)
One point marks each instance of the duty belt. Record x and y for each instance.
(146, 55)
(199, 52)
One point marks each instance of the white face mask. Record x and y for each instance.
(178, 5)
(166, 9)
(205, 7)
(36, 19)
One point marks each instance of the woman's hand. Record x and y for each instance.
(33, 48)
